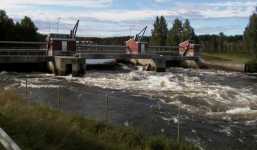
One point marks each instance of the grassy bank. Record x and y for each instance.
(35, 127)
(237, 58)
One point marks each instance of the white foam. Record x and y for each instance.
(191, 90)
(35, 86)
(180, 83)
(38, 83)
(3, 72)
(246, 110)
(227, 131)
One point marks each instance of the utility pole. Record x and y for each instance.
(49, 26)
(58, 23)
(178, 128)
(130, 29)
(107, 108)
(26, 88)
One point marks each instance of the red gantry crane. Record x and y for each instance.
(136, 46)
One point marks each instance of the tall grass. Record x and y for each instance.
(241, 58)
(35, 127)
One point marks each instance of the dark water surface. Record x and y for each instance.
(218, 110)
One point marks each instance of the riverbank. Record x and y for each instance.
(229, 62)
(227, 57)
(222, 65)
(38, 127)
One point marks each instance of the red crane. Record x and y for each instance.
(73, 32)
(135, 46)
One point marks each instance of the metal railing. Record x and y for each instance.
(7, 142)
(118, 49)
(163, 50)
(23, 52)
(101, 49)
(23, 48)
(23, 42)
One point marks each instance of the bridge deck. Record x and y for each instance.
(36, 52)
(129, 56)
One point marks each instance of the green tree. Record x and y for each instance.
(250, 35)
(7, 26)
(221, 43)
(160, 31)
(188, 31)
(25, 30)
(175, 33)
(28, 29)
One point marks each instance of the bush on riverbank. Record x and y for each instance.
(251, 66)
(237, 58)
(39, 127)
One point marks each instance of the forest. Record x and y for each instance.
(23, 30)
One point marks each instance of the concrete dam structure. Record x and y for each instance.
(64, 55)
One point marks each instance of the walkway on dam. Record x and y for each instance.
(37, 52)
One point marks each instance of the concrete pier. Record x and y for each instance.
(160, 64)
(69, 65)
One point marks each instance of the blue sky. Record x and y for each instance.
(127, 17)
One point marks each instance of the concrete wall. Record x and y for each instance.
(24, 59)
(64, 65)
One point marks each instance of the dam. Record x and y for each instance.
(64, 54)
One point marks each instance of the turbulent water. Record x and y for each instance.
(211, 93)
(218, 108)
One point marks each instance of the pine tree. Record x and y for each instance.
(25, 30)
(29, 29)
(159, 33)
(250, 35)
(7, 26)
(188, 31)
(221, 43)
(175, 33)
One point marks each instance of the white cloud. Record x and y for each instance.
(219, 9)
(228, 8)
(161, 1)
(81, 3)
(101, 15)
(102, 11)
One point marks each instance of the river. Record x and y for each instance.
(214, 109)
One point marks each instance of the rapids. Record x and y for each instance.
(218, 109)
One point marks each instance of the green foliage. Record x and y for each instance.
(175, 34)
(236, 58)
(162, 143)
(25, 30)
(28, 29)
(181, 32)
(251, 66)
(7, 26)
(160, 31)
(223, 44)
(188, 31)
(36, 127)
(250, 35)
